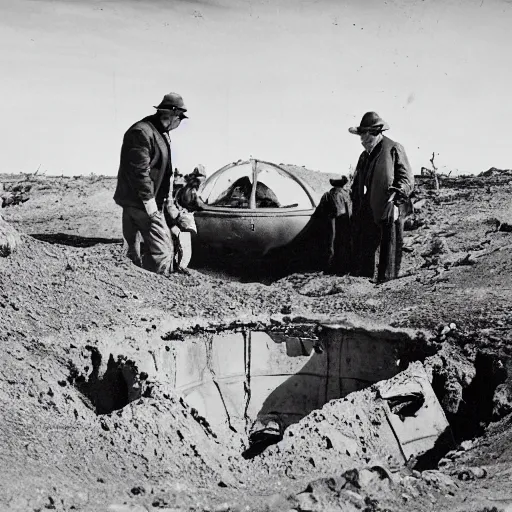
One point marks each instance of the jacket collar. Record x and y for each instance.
(376, 150)
(155, 121)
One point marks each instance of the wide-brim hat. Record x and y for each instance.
(371, 121)
(339, 183)
(173, 101)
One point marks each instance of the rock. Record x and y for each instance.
(479, 472)
(411, 483)
(465, 261)
(472, 473)
(418, 205)
(453, 395)
(502, 401)
(366, 477)
(444, 330)
(223, 507)
(437, 252)
(439, 246)
(286, 309)
(502, 221)
(412, 223)
(452, 454)
(438, 479)
(354, 495)
(467, 445)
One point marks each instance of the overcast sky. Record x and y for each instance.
(280, 80)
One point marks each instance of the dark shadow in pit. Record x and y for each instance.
(431, 458)
(475, 410)
(74, 240)
(111, 388)
(342, 363)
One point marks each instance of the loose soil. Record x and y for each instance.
(87, 424)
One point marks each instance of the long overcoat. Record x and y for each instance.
(376, 172)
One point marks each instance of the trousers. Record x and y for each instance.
(385, 236)
(158, 253)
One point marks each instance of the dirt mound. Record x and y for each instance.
(318, 181)
(90, 424)
(9, 238)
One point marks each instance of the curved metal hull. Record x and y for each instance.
(249, 232)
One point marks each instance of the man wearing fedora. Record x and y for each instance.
(144, 185)
(383, 182)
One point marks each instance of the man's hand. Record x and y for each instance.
(391, 212)
(397, 195)
(172, 210)
(151, 208)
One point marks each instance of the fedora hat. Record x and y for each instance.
(173, 101)
(371, 121)
(339, 183)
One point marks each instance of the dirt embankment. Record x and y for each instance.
(66, 307)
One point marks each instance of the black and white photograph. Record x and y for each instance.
(256, 255)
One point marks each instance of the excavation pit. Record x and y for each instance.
(110, 385)
(255, 382)
(259, 382)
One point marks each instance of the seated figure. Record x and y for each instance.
(238, 195)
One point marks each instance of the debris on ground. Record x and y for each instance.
(83, 434)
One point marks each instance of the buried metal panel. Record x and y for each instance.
(419, 432)
(359, 359)
(239, 379)
(286, 377)
(217, 365)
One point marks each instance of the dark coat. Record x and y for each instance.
(335, 202)
(335, 208)
(386, 166)
(145, 169)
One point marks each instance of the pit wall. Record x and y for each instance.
(236, 374)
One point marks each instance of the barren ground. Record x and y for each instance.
(67, 295)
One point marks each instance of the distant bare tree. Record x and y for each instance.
(434, 173)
